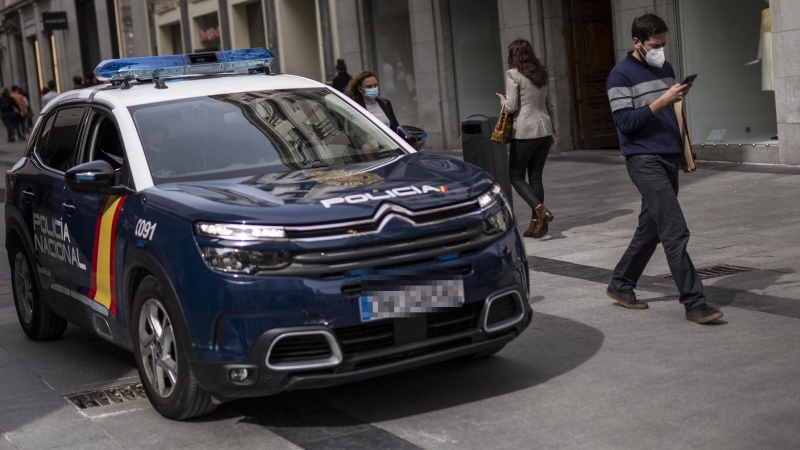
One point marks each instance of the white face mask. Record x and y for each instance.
(654, 57)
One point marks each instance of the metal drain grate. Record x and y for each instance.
(108, 396)
(719, 270)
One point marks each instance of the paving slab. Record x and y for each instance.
(127, 429)
(70, 364)
(84, 435)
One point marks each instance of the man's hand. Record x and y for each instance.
(673, 95)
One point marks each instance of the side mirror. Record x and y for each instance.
(414, 136)
(94, 177)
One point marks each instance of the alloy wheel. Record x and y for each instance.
(24, 287)
(157, 347)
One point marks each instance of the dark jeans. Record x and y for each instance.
(19, 121)
(9, 118)
(529, 155)
(661, 220)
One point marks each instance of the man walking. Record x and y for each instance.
(642, 92)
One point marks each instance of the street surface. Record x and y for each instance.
(586, 374)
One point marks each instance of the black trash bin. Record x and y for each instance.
(478, 149)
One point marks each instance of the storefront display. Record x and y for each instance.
(733, 100)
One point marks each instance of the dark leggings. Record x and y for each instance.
(9, 118)
(529, 155)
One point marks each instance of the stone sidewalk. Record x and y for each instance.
(743, 215)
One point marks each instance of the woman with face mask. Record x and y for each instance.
(363, 88)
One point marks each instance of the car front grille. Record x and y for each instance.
(337, 263)
(374, 224)
(374, 336)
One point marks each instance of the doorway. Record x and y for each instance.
(88, 35)
(590, 53)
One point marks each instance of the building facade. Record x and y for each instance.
(440, 61)
(43, 40)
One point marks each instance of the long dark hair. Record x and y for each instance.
(522, 58)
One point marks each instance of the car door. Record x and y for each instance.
(43, 193)
(92, 218)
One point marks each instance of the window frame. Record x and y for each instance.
(85, 138)
(52, 114)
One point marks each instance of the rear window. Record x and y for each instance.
(254, 133)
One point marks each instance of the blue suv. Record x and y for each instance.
(249, 233)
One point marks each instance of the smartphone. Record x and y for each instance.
(689, 79)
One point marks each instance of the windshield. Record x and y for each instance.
(253, 133)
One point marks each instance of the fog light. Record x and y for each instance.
(239, 375)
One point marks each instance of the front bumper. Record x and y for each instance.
(263, 379)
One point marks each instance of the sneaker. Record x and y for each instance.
(627, 299)
(703, 314)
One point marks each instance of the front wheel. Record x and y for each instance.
(159, 347)
(37, 320)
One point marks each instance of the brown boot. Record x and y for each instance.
(532, 228)
(543, 218)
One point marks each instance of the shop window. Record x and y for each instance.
(207, 32)
(476, 43)
(124, 27)
(248, 25)
(727, 44)
(394, 58)
(171, 40)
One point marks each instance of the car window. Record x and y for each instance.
(104, 144)
(59, 141)
(253, 133)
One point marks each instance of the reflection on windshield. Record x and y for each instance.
(254, 133)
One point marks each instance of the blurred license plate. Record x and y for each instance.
(392, 297)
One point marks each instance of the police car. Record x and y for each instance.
(244, 233)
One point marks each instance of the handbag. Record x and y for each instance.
(688, 157)
(502, 130)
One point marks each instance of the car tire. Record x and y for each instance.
(487, 353)
(160, 345)
(38, 321)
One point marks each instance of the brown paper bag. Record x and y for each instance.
(687, 157)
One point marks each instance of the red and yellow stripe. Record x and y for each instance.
(103, 278)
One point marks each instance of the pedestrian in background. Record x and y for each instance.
(77, 82)
(529, 101)
(642, 92)
(51, 94)
(89, 80)
(342, 78)
(8, 112)
(22, 106)
(363, 88)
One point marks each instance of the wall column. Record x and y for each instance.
(785, 40)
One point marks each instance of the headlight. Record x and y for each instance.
(237, 260)
(239, 232)
(491, 196)
(498, 222)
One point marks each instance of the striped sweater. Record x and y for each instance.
(632, 86)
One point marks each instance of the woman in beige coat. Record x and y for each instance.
(529, 100)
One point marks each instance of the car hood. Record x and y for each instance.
(415, 181)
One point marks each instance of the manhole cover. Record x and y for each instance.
(719, 270)
(108, 396)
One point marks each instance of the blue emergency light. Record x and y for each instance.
(158, 67)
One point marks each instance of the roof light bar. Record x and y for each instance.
(178, 65)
